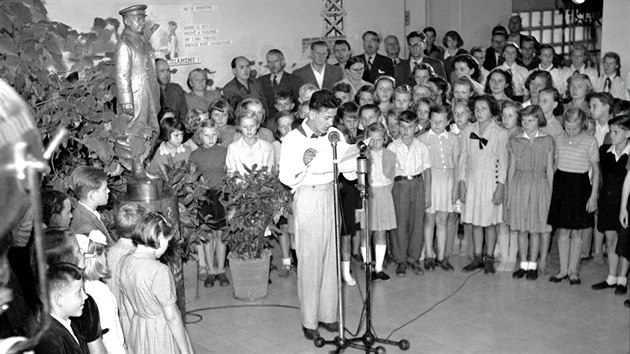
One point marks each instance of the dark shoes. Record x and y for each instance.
(310, 334)
(401, 271)
(444, 264)
(602, 285)
(626, 303)
(520, 273)
(557, 278)
(209, 282)
(532, 274)
(429, 264)
(416, 268)
(575, 281)
(477, 263)
(379, 275)
(488, 265)
(330, 327)
(222, 279)
(621, 290)
(285, 270)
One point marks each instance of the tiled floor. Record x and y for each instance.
(490, 314)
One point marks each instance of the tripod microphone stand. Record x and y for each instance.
(368, 339)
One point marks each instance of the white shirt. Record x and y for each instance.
(377, 177)
(108, 310)
(519, 75)
(277, 76)
(568, 72)
(240, 153)
(66, 324)
(319, 77)
(626, 151)
(410, 160)
(600, 132)
(617, 86)
(294, 173)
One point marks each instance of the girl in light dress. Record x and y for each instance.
(444, 148)
(423, 108)
(573, 198)
(530, 179)
(171, 150)
(381, 202)
(148, 292)
(94, 249)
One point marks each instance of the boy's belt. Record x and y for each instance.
(407, 178)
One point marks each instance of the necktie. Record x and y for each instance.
(315, 136)
(607, 84)
(274, 82)
(482, 141)
(370, 60)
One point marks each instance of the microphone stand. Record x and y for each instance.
(367, 340)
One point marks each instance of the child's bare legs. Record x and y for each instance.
(613, 264)
(564, 246)
(285, 248)
(467, 242)
(523, 250)
(208, 257)
(512, 251)
(429, 254)
(575, 253)
(504, 246)
(380, 247)
(356, 243)
(545, 240)
(441, 233)
(345, 260)
(598, 244)
(478, 261)
(451, 234)
(219, 251)
(587, 238)
(203, 264)
(490, 236)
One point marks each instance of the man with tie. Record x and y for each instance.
(392, 48)
(377, 65)
(306, 166)
(318, 72)
(417, 43)
(242, 86)
(276, 81)
(342, 52)
(611, 80)
(494, 54)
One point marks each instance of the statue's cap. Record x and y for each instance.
(134, 10)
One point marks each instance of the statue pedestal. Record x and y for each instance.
(156, 195)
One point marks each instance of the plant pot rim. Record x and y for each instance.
(265, 252)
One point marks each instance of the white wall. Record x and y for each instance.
(253, 26)
(473, 19)
(616, 31)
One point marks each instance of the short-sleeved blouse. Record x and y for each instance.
(575, 155)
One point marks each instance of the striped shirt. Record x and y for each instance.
(576, 156)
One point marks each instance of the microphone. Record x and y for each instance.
(333, 137)
(363, 144)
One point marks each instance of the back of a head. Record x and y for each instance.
(323, 100)
(150, 228)
(52, 203)
(85, 179)
(127, 217)
(59, 276)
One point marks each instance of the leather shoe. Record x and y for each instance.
(379, 275)
(477, 263)
(445, 264)
(557, 279)
(330, 327)
(626, 303)
(532, 274)
(401, 271)
(621, 290)
(416, 267)
(488, 265)
(575, 281)
(602, 285)
(310, 334)
(519, 273)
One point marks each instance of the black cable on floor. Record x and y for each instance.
(200, 318)
(434, 305)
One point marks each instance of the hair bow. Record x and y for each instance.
(95, 236)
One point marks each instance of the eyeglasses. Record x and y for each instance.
(415, 44)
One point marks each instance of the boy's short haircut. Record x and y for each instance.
(377, 127)
(403, 90)
(52, 203)
(58, 276)
(282, 95)
(370, 106)
(621, 107)
(127, 217)
(617, 60)
(319, 44)
(603, 97)
(342, 42)
(408, 117)
(439, 109)
(323, 100)
(342, 87)
(622, 121)
(244, 105)
(150, 228)
(85, 179)
(304, 89)
(347, 108)
(365, 88)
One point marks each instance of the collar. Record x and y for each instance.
(580, 69)
(98, 215)
(164, 151)
(548, 69)
(315, 70)
(308, 132)
(441, 135)
(538, 134)
(67, 324)
(278, 76)
(612, 150)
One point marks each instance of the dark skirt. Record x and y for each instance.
(568, 201)
(350, 201)
(608, 206)
(215, 209)
(623, 243)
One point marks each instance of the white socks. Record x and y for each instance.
(379, 251)
(620, 281)
(529, 265)
(363, 253)
(345, 271)
(287, 261)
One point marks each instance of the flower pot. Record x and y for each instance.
(250, 277)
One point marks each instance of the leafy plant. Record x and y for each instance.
(255, 202)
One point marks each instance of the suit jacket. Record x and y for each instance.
(84, 221)
(332, 75)
(382, 65)
(403, 70)
(234, 90)
(289, 83)
(57, 340)
(491, 60)
(174, 97)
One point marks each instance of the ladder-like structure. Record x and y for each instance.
(333, 14)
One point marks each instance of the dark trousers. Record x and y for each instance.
(407, 240)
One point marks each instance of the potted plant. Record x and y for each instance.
(254, 203)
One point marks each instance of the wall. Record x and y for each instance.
(616, 31)
(245, 27)
(473, 19)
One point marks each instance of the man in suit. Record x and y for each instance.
(417, 44)
(171, 94)
(494, 54)
(376, 64)
(342, 52)
(276, 81)
(319, 72)
(392, 48)
(241, 86)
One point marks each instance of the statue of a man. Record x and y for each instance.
(138, 89)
